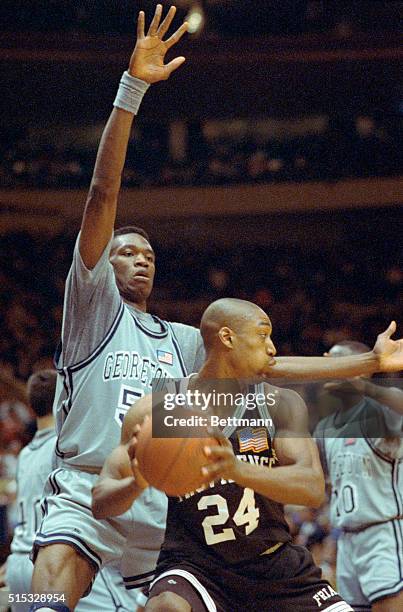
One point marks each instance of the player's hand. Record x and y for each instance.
(223, 463)
(131, 450)
(346, 387)
(389, 352)
(147, 60)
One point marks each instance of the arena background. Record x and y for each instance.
(268, 168)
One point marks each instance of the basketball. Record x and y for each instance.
(172, 465)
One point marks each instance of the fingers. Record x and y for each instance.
(172, 40)
(174, 64)
(390, 330)
(164, 27)
(152, 30)
(140, 25)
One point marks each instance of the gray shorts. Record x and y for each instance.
(132, 539)
(370, 564)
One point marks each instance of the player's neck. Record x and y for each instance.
(138, 305)
(45, 422)
(215, 368)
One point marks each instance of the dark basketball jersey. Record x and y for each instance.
(224, 519)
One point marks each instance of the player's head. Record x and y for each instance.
(239, 332)
(346, 348)
(41, 391)
(133, 260)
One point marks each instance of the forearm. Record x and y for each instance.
(112, 497)
(323, 367)
(388, 396)
(292, 484)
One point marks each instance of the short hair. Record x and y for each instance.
(41, 388)
(131, 229)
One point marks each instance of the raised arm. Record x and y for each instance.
(120, 482)
(298, 479)
(146, 66)
(386, 356)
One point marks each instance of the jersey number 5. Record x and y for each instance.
(247, 514)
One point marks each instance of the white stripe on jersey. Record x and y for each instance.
(340, 606)
(204, 594)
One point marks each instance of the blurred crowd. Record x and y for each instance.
(226, 17)
(358, 146)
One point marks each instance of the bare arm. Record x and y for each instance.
(386, 356)
(120, 482)
(392, 397)
(299, 478)
(146, 64)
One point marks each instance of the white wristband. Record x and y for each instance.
(130, 93)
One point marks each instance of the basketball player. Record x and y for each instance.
(35, 462)
(227, 546)
(111, 350)
(361, 449)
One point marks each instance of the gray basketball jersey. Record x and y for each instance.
(366, 472)
(35, 462)
(110, 355)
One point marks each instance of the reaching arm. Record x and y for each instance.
(386, 356)
(392, 397)
(299, 477)
(120, 482)
(147, 65)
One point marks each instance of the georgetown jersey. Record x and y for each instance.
(361, 450)
(109, 356)
(35, 462)
(222, 518)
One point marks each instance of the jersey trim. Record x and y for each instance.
(84, 362)
(340, 606)
(202, 591)
(178, 350)
(387, 592)
(149, 332)
(44, 539)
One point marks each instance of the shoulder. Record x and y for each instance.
(186, 331)
(289, 410)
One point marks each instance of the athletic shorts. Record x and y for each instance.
(107, 594)
(136, 535)
(283, 581)
(370, 564)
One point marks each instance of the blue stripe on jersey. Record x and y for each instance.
(84, 362)
(395, 487)
(178, 350)
(397, 530)
(72, 540)
(386, 592)
(149, 332)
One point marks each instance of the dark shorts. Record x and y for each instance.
(284, 581)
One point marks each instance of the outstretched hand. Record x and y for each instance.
(389, 352)
(147, 60)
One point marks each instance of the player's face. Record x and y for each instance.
(133, 260)
(255, 350)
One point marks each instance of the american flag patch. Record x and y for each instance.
(253, 439)
(165, 357)
(350, 441)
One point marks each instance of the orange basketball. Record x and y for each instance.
(172, 465)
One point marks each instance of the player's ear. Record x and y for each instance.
(226, 336)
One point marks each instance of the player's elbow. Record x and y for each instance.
(98, 505)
